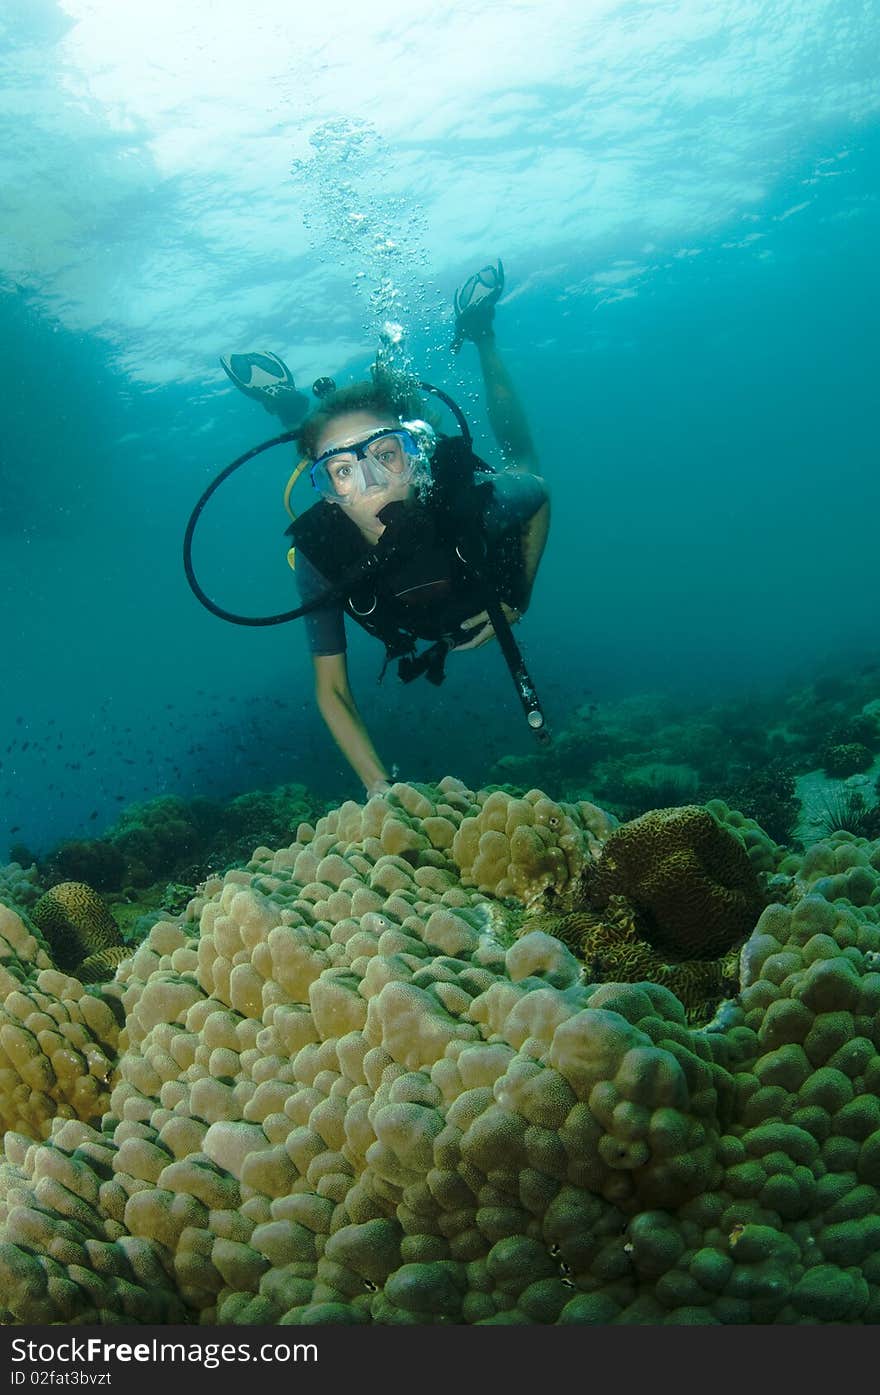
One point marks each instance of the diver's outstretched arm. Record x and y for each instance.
(338, 708)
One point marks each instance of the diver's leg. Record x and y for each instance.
(266, 378)
(507, 416)
(475, 303)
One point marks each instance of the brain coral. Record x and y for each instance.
(343, 1096)
(76, 924)
(689, 880)
(612, 950)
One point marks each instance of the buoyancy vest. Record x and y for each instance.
(433, 566)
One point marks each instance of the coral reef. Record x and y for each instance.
(653, 751)
(344, 1091)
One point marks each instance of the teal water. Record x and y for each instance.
(685, 199)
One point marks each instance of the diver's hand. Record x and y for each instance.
(487, 631)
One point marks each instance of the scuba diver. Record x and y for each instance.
(413, 536)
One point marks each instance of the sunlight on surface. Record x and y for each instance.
(199, 168)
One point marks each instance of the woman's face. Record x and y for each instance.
(363, 494)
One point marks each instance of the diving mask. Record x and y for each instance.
(388, 459)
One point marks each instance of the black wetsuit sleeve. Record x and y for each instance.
(325, 627)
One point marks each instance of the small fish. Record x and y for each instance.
(93, 814)
(15, 828)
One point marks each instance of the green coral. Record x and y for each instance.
(768, 796)
(181, 840)
(19, 885)
(846, 758)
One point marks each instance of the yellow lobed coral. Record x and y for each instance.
(525, 847)
(58, 1041)
(342, 1097)
(840, 866)
(764, 855)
